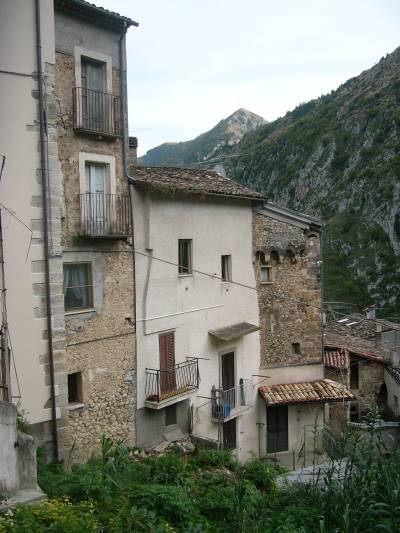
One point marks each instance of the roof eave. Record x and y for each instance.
(95, 14)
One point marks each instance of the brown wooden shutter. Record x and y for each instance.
(167, 363)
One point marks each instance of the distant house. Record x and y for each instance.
(363, 354)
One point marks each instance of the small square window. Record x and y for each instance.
(226, 267)
(296, 350)
(170, 415)
(78, 286)
(184, 256)
(75, 388)
(265, 274)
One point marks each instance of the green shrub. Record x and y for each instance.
(56, 515)
(213, 459)
(261, 474)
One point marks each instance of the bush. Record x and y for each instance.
(56, 515)
(261, 474)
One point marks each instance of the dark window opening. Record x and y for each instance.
(226, 268)
(170, 415)
(229, 434)
(274, 257)
(277, 429)
(78, 286)
(184, 256)
(353, 411)
(296, 350)
(354, 381)
(265, 274)
(75, 388)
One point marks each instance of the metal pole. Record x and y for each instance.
(5, 354)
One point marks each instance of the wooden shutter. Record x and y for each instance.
(277, 429)
(167, 362)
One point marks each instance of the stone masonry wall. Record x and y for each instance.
(101, 343)
(296, 276)
(370, 380)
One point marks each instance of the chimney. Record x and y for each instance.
(132, 152)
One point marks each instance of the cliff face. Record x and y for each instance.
(338, 157)
(226, 133)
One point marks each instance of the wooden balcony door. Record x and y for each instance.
(167, 364)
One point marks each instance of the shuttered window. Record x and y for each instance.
(277, 429)
(167, 362)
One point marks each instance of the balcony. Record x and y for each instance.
(231, 403)
(105, 215)
(166, 387)
(96, 113)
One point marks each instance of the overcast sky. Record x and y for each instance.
(193, 62)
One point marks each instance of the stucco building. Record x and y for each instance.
(69, 264)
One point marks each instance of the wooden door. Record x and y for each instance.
(277, 429)
(167, 364)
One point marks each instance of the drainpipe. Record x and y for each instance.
(42, 128)
(322, 300)
(124, 118)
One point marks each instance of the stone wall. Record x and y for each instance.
(100, 343)
(370, 380)
(293, 254)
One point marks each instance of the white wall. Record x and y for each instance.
(193, 305)
(20, 191)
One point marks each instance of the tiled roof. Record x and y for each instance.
(90, 11)
(354, 345)
(230, 333)
(360, 326)
(336, 357)
(170, 180)
(394, 371)
(323, 390)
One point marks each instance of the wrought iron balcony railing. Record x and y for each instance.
(166, 384)
(226, 404)
(96, 112)
(105, 215)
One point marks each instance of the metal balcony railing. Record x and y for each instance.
(96, 112)
(229, 403)
(105, 215)
(165, 384)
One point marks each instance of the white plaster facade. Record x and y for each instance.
(192, 305)
(20, 192)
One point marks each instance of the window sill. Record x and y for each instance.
(226, 281)
(80, 311)
(75, 406)
(185, 275)
(266, 282)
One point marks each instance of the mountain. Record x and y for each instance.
(226, 133)
(338, 157)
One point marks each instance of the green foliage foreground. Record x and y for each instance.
(209, 492)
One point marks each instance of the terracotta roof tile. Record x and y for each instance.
(170, 180)
(337, 357)
(323, 390)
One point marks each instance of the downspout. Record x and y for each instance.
(45, 227)
(124, 118)
(322, 299)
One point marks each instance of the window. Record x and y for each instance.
(170, 415)
(354, 411)
(353, 374)
(229, 434)
(277, 429)
(93, 74)
(296, 351)
(226, 267)
(265, 274)
(396, 404)
(184, 256)
(75, 388)
(78, 286)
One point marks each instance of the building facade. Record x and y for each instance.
(74, 348)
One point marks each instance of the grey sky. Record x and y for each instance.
(193, 62)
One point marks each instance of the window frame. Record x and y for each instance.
(78, 389)
(228, 267)
(76, 310)
(92, 55)
(185, 270)
(267, 268)
(282, 427)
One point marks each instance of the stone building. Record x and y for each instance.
(71, 309)
(287, 264)
(362, 352)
